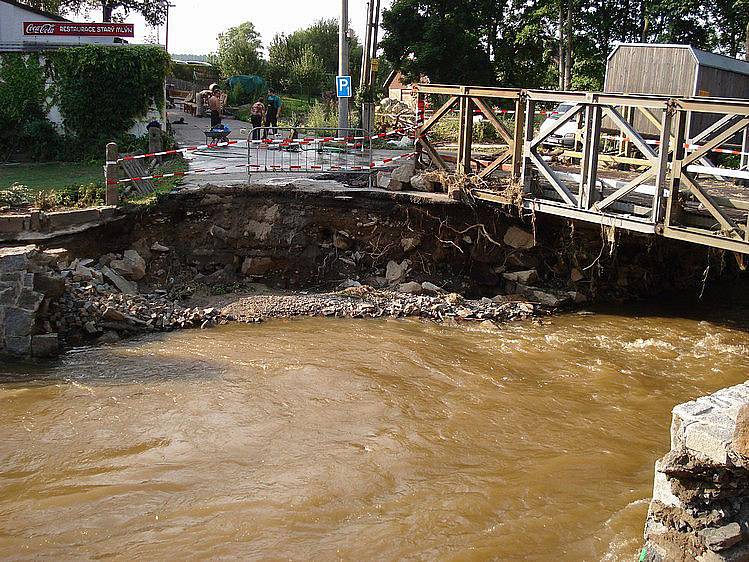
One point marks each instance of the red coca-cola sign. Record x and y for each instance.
(72, 29)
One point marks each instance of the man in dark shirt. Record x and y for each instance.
(274, 111)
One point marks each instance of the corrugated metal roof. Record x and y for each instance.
(720, 61)
(703, 58)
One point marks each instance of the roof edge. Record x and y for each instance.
(33, 10)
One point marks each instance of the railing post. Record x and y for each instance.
(110, 175)
(745, 149)
(660, 178)
(518, 129)
(679, 150)
(465, 135)
(589, 164)
(530, 110)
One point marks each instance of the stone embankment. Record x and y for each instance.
(700, 505)
(402, 253)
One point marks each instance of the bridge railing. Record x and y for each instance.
(627, 156)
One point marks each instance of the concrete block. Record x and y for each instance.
(15, 258)
(65, 219)
(29, 299)
(662, 488)
(45, 345)
(18, 322)
(13, 224)
(17, 345)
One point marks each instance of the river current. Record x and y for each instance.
(355, 440)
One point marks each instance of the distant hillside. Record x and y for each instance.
(200, 58)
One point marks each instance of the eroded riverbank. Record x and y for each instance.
(321, 438)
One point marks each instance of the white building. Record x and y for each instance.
(18, 32)
(29, 30)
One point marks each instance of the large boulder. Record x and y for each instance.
(525, 277)
(396, 272)
(422, 182)
(257, 266)
(404, 172)
(519, 239)
(132, 266)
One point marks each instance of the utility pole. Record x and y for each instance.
(343, 63)
(366, 73)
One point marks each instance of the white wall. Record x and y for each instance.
(12, 37)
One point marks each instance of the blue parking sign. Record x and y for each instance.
(343, 86)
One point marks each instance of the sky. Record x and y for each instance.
(194, 24)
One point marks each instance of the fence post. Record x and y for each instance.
(110, 175)
(155, 141)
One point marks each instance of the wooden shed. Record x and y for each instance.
(675, 70)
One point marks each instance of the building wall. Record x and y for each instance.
(12, 37)
(655, 69)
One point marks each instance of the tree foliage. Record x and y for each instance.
(240, 51)
(516, 42)
(318, 43)
(153, 11)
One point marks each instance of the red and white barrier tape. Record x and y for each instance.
(275, 168)
(288, 142)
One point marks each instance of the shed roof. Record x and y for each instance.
(36, 11)
(703, 58)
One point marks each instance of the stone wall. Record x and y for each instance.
(700, 506)
(37, 224)
(27, 286)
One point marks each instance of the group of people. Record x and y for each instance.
(265, 112)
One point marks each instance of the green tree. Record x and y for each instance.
(239, 51)
(322, 38)
(153, 11)
(308, 72)
(440, 39)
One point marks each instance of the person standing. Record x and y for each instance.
(257, 114)
(274, 111)
(214, 103)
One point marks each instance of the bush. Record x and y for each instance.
(322, 116)
(16, 195)
(88, 195)
(42, 140)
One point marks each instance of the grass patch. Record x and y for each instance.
(54, 176)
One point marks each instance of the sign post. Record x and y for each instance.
(343, 64)
(343, 86)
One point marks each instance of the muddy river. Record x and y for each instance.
(354, 440)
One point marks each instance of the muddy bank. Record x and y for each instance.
(176, 263)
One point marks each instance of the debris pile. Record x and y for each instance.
(366, 302)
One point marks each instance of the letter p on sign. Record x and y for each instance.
(343, 86)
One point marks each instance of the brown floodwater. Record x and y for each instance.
(354, 440)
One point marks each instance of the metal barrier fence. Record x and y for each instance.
(308, 150)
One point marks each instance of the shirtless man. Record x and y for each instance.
(214, 103)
